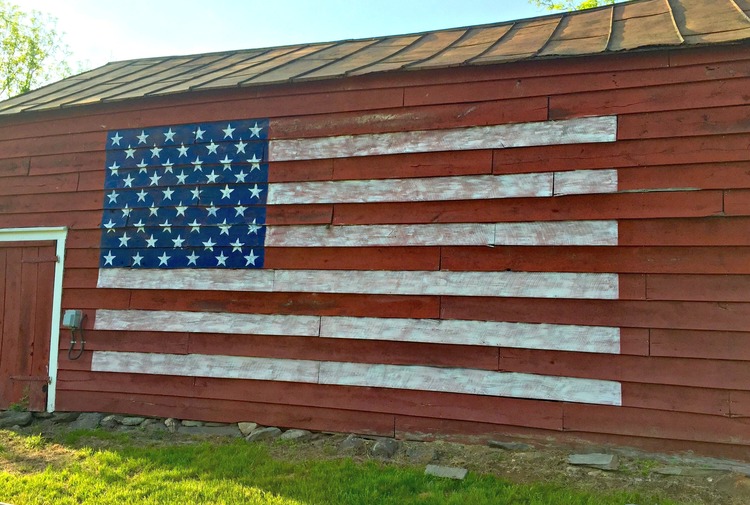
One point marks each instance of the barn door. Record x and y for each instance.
(27, 272)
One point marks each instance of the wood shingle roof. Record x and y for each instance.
(635, 25)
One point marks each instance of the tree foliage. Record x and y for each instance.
(31, 50)
(569, 5)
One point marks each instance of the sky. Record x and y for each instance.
(101, 31)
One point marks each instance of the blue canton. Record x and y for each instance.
(186, 196)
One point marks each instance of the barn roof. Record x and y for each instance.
(630, 26)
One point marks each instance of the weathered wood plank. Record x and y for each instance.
(584, 130)
(485, 333)
(514, 284)
(557, 233)
(205, 322)
(468, 381)
(204, 365)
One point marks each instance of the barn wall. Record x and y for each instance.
(682, 206)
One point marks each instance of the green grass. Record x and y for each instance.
(35, 471)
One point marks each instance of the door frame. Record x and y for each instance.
(45, 234)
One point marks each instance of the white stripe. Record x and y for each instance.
(598, 233)
(498, 284)
(451, 234)
(558, 337)
(207, 322)
(472, 187)
(568, 131)
(422, 378)
(206, 365)
(470, 381)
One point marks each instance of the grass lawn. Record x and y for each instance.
(104, 468)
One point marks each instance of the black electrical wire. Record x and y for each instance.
(71, 355)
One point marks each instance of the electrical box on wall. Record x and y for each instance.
(72, 319)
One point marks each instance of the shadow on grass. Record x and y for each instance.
(105, 467)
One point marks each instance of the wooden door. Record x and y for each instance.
(27, 271)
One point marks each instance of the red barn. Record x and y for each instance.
(539, 227)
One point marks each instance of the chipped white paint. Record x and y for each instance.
(470, 381)
(471, 187)
(421, 378)
(207, 322)
(557, 337)
(499, 284)
(206, 365)
(568, 131)
(198, 279)
(598, 233)
(59, 235)
(458, 234)
(579, 182)
(476, 187)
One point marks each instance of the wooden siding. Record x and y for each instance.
(676, 254)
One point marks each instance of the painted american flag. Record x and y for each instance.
(185, 209)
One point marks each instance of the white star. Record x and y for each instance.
(212, 147)
(199, 133)
(110, 226)
(224, 227)
(142, 137)
(151, 242)
(169, 135)
(250, 258)
(153, 210)
(212, 176)
(181, 177)
(228, 131)
(168, 166)
(212, 210)
(178, 241)
(126, 211)
(163, 259)
(116, 139)
(227, 163)
(255, 163)
(237, 245)
(255, 192)
(137, 259)
(196, 193)
(255, 130)
(239, 210)
(109, 258)
(197, 164)
(155, 151)
(226, 192)
(209, 244)
(180, 209)
(113, 196)
(167, 193)
(195, 226)
(142, 196)
(167, 226)
(155, 179)
(221, 259)
(128, 181)
(142, 166)
(240, 147)
(253, 228)
(240, 176)
(183, 150)
(140, 226)
(129, 152)
(192, 258)
(124, 240)
(113, 167)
